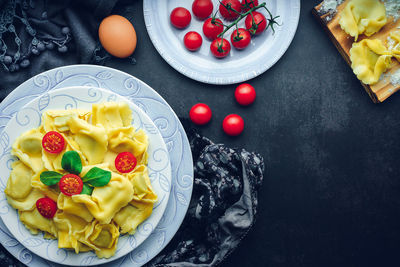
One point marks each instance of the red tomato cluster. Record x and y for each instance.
(255, 24)
(233, 124)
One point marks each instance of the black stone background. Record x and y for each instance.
(331, 191)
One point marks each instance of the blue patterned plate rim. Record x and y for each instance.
(163, 117)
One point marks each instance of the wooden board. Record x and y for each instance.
(380, 91)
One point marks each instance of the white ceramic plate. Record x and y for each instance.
(263, 52)
(159, 167)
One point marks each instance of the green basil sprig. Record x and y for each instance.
(71, 162)
(50, 178)
(87, 190)
(97, 177)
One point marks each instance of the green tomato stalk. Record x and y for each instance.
(272, 21)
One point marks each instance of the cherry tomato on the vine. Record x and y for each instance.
(53, 142)
(240, 38)
(180, 17)
(202, 8)
(220, 48)
(259, 25)
(125, 162)
(228, 13)
(192, 41)
(46, 207)
(200, 114)
(247, 4)
(233, 125)
(212, 27)
(70, 184)
(245, 94)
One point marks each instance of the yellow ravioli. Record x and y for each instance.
(363, 17)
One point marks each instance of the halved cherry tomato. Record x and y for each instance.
(125, 162)
(259, 24)
(46, 207)
(241, 40)
(228, 13)
(70, 184)
(53, 142)
(212, 27)
(233, 125)
(200, 114)
(192, 41)
(180, 17)
(202, 8)
(220, 47)
(247, 4)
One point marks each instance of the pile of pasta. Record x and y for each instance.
(370, 57)
(84, 222)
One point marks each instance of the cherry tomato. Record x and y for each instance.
(192, 41)
(53, 142)
(220, 47)
(202, 8)
(46, 207)
(200, 114)
(247, 4)
(259, 25)
(70, 184)
(212, 27)
(233, 125)
(228, 13)
(245, 94)
(241, 40)
(180, 17)
(125, 162)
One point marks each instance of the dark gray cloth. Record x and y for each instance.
(48, 19)
(223, 205)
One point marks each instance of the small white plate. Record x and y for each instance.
(28, 117)
(263, 52)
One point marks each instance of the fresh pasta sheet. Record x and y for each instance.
(112, 194)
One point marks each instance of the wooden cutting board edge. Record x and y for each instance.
(324, 25)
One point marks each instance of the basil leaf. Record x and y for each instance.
(50, 178)
(87, 189)
(71, 162)
(97, 177)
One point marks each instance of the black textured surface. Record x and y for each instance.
(331, 195)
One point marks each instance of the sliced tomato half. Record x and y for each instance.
(53, 142)
(125, 162)
(46, 207)
(70, 184)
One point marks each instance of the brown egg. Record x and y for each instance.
(117, 36)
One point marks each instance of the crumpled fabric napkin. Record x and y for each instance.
(223, 205)
(46, 20)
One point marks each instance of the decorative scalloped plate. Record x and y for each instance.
(81, 97)
(116, 83)
(264, 51)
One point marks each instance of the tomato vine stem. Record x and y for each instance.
(272, 20)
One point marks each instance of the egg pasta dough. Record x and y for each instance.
(95, 218)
